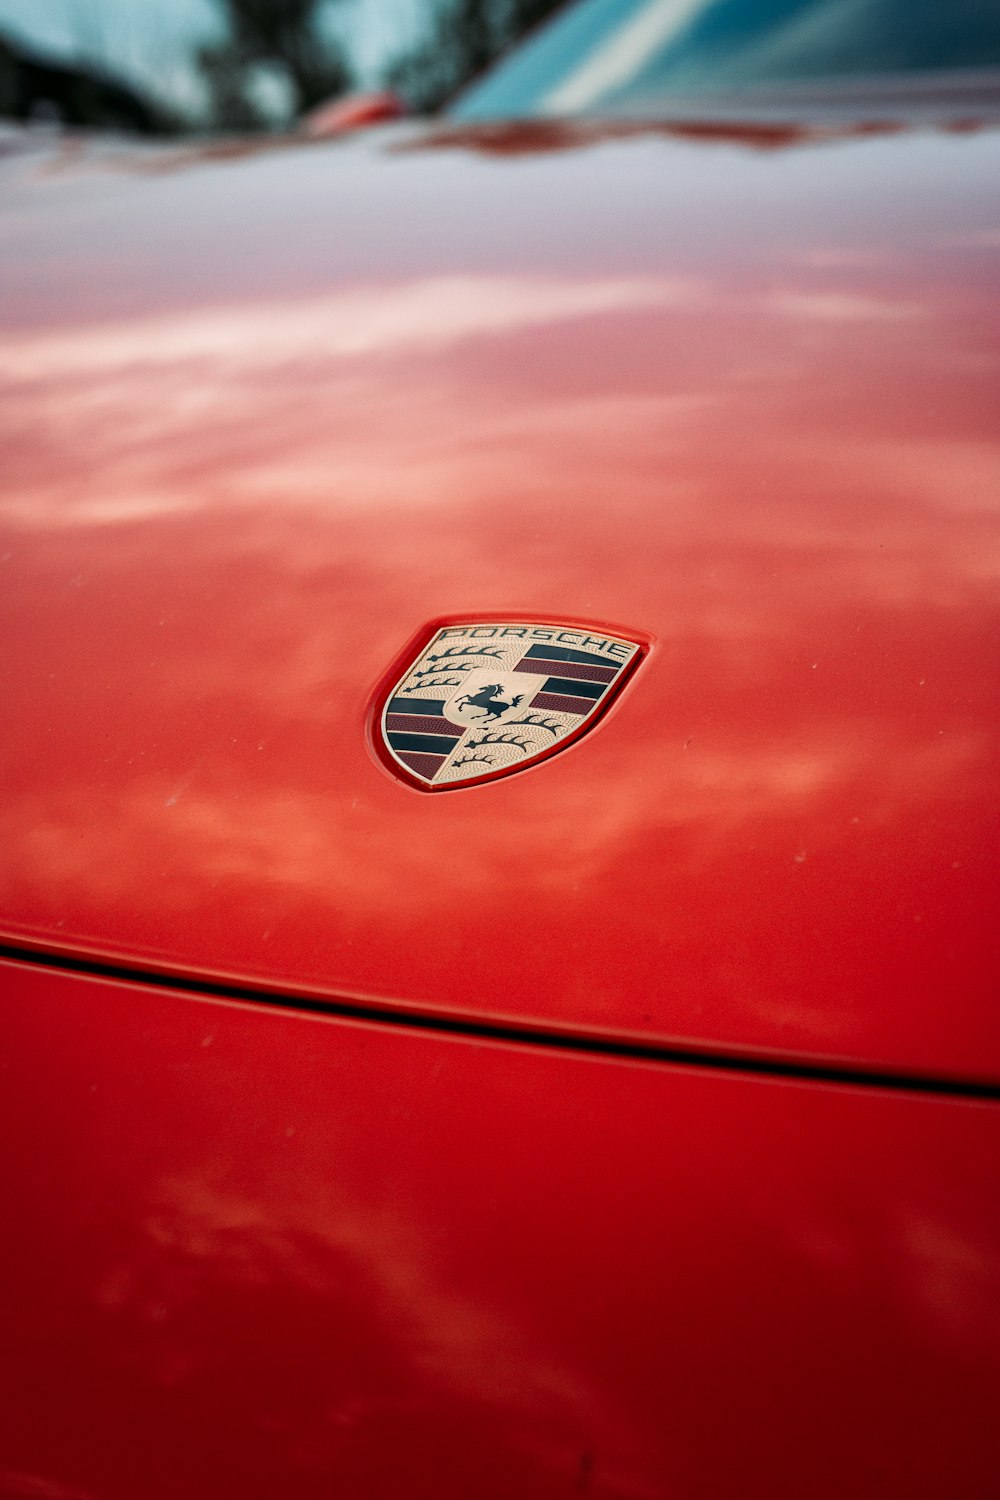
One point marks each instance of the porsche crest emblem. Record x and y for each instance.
(483, 700)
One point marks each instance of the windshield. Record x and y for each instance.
(634, 56)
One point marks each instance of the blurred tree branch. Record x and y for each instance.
(463, 38)
(278, 34)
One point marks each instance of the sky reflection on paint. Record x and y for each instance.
(221, 526)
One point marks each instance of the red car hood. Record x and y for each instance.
(269, 415)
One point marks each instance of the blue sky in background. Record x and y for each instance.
(152, 41)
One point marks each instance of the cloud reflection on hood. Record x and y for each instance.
(227, 523)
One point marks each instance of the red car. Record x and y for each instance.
(500, 784)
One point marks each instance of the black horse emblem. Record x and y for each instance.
(491, 699)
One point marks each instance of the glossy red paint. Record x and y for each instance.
(270, 416)
(353, 112)
(262, 1253)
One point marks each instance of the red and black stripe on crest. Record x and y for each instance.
(420, 734)
(575, 681)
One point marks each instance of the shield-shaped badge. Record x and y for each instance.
(485, 699)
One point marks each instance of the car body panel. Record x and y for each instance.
(264, 1253)
(275, 413)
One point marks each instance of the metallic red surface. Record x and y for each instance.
(354, 112)
(260, 1253)
(270, 416)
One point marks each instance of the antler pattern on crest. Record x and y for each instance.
(450, 657)
(499, 737)
(538, 721)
